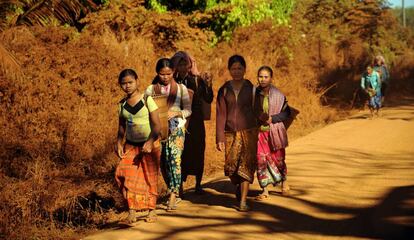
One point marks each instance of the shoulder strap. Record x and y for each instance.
(254, 95)
(181, 98)
(121, 103)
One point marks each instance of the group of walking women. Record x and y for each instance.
(374, 82)
(249, 129)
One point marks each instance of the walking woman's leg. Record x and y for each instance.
(244, 188)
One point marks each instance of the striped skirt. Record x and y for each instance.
(137, 176)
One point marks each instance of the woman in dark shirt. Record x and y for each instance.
(186, 72)
(236, 129)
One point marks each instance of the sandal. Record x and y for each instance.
(243, 207)
(261, 197)
(285, 190)
(177, 201)
(132, 216)
(171, 208)
(151, 217)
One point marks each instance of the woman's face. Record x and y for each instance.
(264, 78)
(129, 84)
(369, 70)
(378, 62)
(237, 71)
(166, 75)
(183, 67)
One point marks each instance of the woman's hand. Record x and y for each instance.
(269, 121)
(208, 78)
(148, 145)
(220, 146)
(119, 149)
(173, 114)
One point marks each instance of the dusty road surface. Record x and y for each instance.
(350, 180)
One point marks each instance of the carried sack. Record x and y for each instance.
(371, 92)
(293, 113)
(191, 94)
(205, 106)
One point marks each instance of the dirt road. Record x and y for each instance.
(351, 180)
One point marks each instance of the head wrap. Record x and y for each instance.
(180, 55)
(381, 59)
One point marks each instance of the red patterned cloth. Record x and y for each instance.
(271, 166)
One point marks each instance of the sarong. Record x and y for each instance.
(375, 101)
(194, 147)
(137, 176)
(240, 158)
(271, 166)
(171, 152)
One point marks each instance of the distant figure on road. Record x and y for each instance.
(271, 110)
(186, 73)
(381, 68)
(236, 129)
(139, 125)
(371, 84)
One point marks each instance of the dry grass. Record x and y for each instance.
(59, 122)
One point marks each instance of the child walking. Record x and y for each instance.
(138, 148)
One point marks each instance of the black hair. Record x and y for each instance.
(266, 68)
(125, 73)
(162, 63)
(236, 58)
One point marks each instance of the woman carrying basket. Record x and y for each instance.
(179, 108)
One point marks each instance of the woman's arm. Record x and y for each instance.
(283, 115)
(221, 116)
(120, 137)
(186, 108)
(155, 131)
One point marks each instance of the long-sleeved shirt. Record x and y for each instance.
(234, 114)
(371, 81)
(183, 105)
(384, 74)
(202, 92)
(262, 111)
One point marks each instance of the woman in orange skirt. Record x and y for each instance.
(138, 148)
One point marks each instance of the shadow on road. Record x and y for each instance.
(392, 218)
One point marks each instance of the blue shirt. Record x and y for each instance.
(371, 80)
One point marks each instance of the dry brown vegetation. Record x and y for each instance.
(59, 119)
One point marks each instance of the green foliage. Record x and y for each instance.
(223, 16)
(156, 6)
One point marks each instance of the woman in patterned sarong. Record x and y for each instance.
(179, 108)
(236, 129)
(137, 172)
(271, 109)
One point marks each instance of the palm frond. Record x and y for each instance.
(8, 64)
(66, 11)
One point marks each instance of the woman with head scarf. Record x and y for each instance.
(381, 68)
(200, 88)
